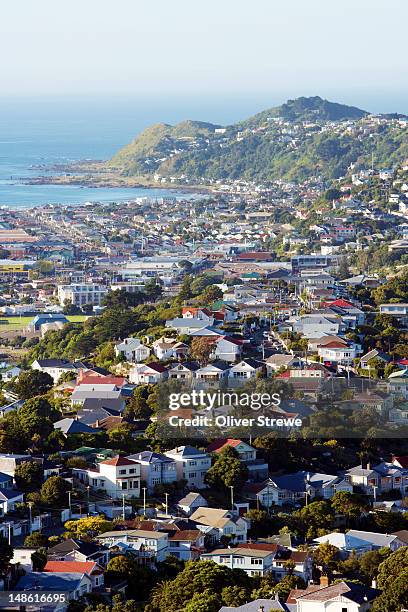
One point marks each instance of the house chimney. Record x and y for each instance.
(374, 584)
(368, 465)
(324, 581)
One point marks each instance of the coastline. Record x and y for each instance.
(89, 173)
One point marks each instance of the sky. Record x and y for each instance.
(247, 53)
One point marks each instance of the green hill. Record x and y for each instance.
(158, 141)
(308, 109)
(301, 138)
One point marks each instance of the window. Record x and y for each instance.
(124, 485)
(256, 561)
(192, 474)
(132, 471)
(122, 471)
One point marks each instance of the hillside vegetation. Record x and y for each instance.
(306, 137)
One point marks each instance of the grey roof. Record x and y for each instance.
(150, 457)
(73, 426)
(255, 606)
(47, 581)
(88, 417)
(9, 494)
(298, 481)
(86, 548)
(186, 451)
(374, 538)
(189, 499)
(56, 363)
(95, 403)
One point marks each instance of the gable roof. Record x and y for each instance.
(354, 592)
(221, 443)
(72, 544)
(71, 566)
(73, 426)
(46, 581)
(118, 461)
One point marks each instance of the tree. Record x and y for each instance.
(234, 596)
(316, 516)
(121, 437)
(196, 577)
(371, 561)
(326, 556)
(227, 471)
(32, 383)
(137, 406)
(54, 492)
(28, 475)
(122, 299)
(393, 580)
(201, 349)
(261, 524)
(35, 540)
(349, 504)
(205, 601)
(6, 553)
(88, 526)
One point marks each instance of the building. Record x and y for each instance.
(81, 294)
(90, 568)
(76, 550)
(75, 584)
(256, 560)
(191, 465)
(340, 597)
(218, 523)
(16, 269)
(118, 477)
(155, 469)
(54, 367)
(132, 350)
(46, 319)
(149, 546)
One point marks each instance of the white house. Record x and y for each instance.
(118, 477)
(218, 523)
(245, 370)
(253, 562)
(151, 546)
(151, 373)
(212, 375)
(187, 545)
(54, 367)
(340, 597)
(191, 502)
(228, 349)
(132, 350)
(155, 469)
(169, 348)
(337, 353)
(398, 383)
(191, 465)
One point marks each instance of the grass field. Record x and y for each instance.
(15, 323)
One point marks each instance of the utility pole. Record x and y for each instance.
(30, 506)
(232, 496)
(87, 496)
(144, 501)
(167, 503)
(123, 506)
(69, 503)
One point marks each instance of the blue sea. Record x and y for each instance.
(37, 133)
(44, 131)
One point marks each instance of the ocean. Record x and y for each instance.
(35, 133)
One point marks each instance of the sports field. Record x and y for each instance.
(16, 323)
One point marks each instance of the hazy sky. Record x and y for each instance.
(349, 50)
